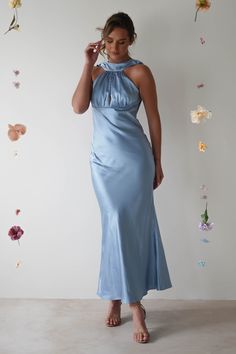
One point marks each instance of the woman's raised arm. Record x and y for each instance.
(82, 95)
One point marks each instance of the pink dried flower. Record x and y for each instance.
(16, 131)
(15, 232)
(16, 72)
(202, 40)
(16, 84)
(200, 85)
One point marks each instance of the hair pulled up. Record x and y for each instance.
(121, 20)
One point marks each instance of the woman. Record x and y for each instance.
(125, 168)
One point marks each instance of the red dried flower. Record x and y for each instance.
(15, 232)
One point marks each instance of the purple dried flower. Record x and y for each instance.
(205, 226)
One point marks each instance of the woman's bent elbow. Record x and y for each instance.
(79, 110)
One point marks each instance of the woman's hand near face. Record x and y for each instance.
(91, 52)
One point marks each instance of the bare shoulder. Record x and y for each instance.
(97, 70)
(140, 73)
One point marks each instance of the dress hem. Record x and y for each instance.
(128, 301)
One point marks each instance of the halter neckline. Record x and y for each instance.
(108, 66)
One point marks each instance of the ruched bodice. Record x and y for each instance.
(114, 89)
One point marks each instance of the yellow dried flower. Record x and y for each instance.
(201, 146)
(15, 3)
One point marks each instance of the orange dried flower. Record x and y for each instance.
(202, 5)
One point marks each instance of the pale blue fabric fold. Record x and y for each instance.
(122, 170)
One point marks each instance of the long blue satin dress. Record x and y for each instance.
(122, 172)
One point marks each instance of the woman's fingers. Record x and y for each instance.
(158, 178)
(93, 47)
(95, 44)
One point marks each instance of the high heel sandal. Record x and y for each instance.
(144, 311)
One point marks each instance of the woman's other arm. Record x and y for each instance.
(147, 87)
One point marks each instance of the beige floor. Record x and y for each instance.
(76, 327)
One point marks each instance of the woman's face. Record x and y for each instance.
(117, 44)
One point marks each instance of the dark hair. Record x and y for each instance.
(121, 20)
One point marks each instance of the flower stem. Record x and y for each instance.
(195, 19)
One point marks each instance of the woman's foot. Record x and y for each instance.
(141, 334)
(113, 317)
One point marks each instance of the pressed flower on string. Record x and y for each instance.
(200, 85)
(202, 40)
(200, 114)
(15, 233)
(15, 131)
(203, 188)
(18, 263)
(16, 84)
(201, 146)
(202, 5)
(14, 4)
(201, 263)
(205, 240)
(204, 225)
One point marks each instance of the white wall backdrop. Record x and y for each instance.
(49, 180)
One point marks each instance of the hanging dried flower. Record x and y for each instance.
(16, 72)
(202, 5)
(15, 131)
(200, 85)
(202, 40)
(204, 225)
(203, 187)
(201, 263)
(201, 146)
(14, 4)
(205, 240)
(15, 233)
(200, 114)
(16, 84)
(18, 263)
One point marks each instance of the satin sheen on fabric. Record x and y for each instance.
(122, 171)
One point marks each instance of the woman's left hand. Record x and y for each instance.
(158, 175)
